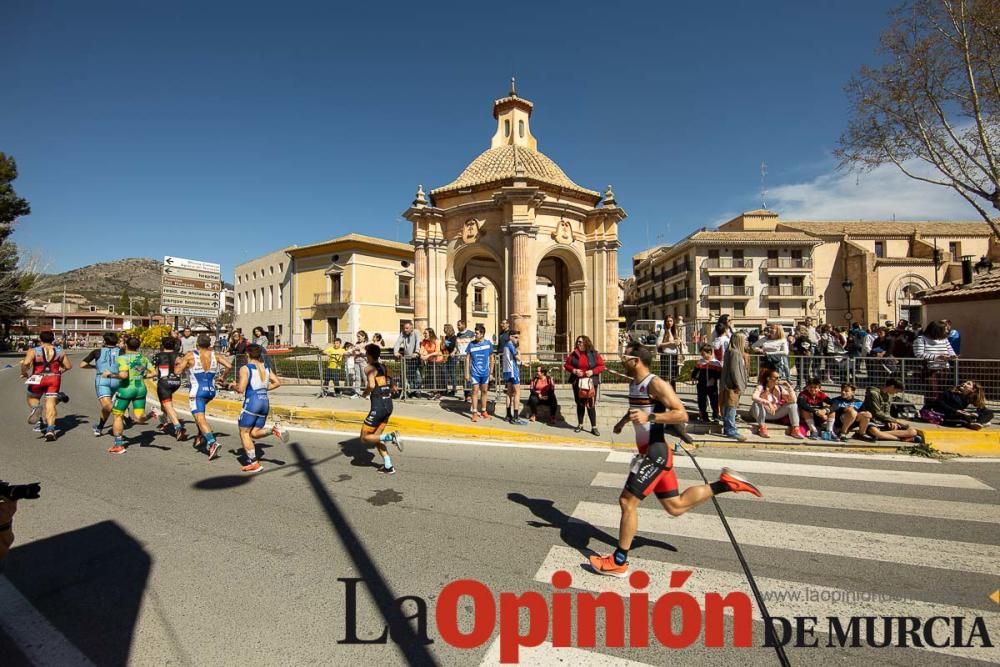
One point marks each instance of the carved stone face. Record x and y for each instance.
(471, 231)
(564, 233)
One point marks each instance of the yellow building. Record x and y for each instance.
(357, 282)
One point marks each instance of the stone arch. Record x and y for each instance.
(899, 296)
(466, 263)
(560, 269)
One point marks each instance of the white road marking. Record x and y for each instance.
(782, 598)
(822, 471)
(885, 547)
(37, 639)
(856, 502)
(547, 655)
(851, 455)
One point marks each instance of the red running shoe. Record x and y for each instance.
(607, 565)
(738, 483)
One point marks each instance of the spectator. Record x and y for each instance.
(954, 338)
(586, 365)
(511, 370)
(847, 410)
(706, 374)
(407, 349)
(349, 366)
(360, 362)
(721, 335)
(881, 425)
(543, 391)
(449, 349)
(432, 360)
(836, 362)
(503, 337)
(669, 346)
(334, 366)
(188, 341)
(732, 383)
(803, 347)
(463, 337)
(774, 348)
(815, 410)
(773, 400)
(964, 405)
(933, 347)
(260, 338)
(378, 340)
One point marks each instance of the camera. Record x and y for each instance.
(20, 491)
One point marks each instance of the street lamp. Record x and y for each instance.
(848, 286)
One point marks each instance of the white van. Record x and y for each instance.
(646, 332)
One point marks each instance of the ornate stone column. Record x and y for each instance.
(520, 311)
(611, 298)
(420, 278)
(577, 311)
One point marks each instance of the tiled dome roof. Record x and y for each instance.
(508, 162)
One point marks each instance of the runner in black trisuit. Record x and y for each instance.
(379, 388)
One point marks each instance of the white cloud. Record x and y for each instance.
(876, 195)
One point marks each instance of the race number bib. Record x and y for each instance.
(34, 380)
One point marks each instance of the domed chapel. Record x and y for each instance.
(516, 220)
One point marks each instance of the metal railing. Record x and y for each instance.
(404, 301)
(788, 263)
(786, 290)
(727, 263)
(343, 298)
(727, 290)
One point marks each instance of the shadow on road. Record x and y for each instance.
(575, 533)
(360, 455)
(415, 652)
(89, 585)
(67, 423)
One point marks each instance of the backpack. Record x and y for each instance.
(903, 409)
(931, 416)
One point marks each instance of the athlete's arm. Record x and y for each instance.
(66, 363)
(27, 362)
(273, 381)
(122, 372)
(621, 422)
(91, 356)
(243, 379)
(370, 381)
(183, 362)
(226, 367)
(660, 391)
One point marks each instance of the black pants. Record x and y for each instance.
(583, 404)
(534, 400)
(708, 394)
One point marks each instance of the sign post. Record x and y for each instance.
(190, 288)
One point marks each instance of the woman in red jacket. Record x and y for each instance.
(585, 365)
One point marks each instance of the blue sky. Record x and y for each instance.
(221, 131)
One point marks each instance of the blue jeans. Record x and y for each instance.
(729, 421)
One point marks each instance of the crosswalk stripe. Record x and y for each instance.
(545, 655)
(783, 598)
(855, 502)
(900, 549)
(905, 458)
(822, 471)
(40, 642)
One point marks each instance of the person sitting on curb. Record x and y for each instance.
(964, 405)
(847, 411)
(774, 399)
(815, 410)
(882, 425)
(543, 391)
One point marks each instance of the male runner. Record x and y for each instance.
(255, 380)
(379, 388)
(168, 382)
(478, 369)
(511, 366)
(104, 360)
(43, 367)
(653, 405)
(203, 367)
(133, 368)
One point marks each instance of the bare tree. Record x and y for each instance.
(933, 108)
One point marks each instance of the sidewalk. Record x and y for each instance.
(449, 418)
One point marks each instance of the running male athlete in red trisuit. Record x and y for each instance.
(653, 405)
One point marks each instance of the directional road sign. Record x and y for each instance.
(168, 292)
(190, 302)
(191, 273)
(189, 312)
(204, 286)
(193, 264)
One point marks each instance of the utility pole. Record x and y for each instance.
(64, 316)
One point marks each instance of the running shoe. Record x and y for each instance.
(738, 483)
(152, 414)
(50, 435)
(38, 427)
(35, 414)
(180, 434)
(397, 440)
(975, 426)
(199, 441)
(387, 471)
(762, 431)
(485, 415)
(213, 449)
(607, 565)
(163, 420)
(117, 448)
(844, 437)
(63, 398)
(280, 432)
(475, 416)
(253, 466)
(98, 431)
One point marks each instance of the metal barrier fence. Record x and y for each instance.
(413, 378)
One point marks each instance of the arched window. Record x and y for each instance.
(270, 297)
(506, 128)
(520, 128)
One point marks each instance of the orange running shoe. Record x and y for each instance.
(475, 416)
(486, 415)
(738, 483)
(607, 565)
(762, 431)
(255, 466)
(116, 449)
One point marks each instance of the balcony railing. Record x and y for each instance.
(326, 299)
(727, 263)
(727, 290)
(404, 301)
(676, 295)
(787, 290)
(788, 263)
(671, 272)
(480, 309)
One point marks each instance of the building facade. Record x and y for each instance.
(758, 268)
(967, 303)
(262, 296)
(512, 217)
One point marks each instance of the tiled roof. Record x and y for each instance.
(351, 238)
(889, 227)
(501, 163)
(753, 238)
(983, 286)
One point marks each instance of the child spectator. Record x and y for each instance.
(707, 372)
(814, 410)
(883, 426)
(847, 410)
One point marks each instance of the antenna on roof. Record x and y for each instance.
(763, 185)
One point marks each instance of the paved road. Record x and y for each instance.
(159, 557)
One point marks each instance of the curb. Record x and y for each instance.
(962, 441)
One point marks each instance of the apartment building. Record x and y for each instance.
(262, 296)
